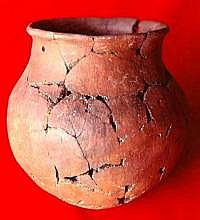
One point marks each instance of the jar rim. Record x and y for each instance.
(94, 27)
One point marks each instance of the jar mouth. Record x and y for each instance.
(93, 27)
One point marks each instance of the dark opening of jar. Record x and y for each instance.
(97, 26)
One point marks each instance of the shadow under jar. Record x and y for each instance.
(96, 119)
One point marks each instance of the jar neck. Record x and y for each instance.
(144, 45)
(85, 65)
(119, 36)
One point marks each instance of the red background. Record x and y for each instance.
(179, 196)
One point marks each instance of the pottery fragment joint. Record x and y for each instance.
(93, 171)
(125, 198)
(57, 174)
(69, 66)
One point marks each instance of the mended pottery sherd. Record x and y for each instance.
(96, 119)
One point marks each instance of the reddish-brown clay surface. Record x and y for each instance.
(96, 119)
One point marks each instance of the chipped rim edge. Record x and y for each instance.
(38, 32)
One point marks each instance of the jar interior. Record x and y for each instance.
(97, 26)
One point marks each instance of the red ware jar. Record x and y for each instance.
(96, 119)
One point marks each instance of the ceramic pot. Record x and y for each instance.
(96, 119)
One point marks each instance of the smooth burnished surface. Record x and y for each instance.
(102, 119)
